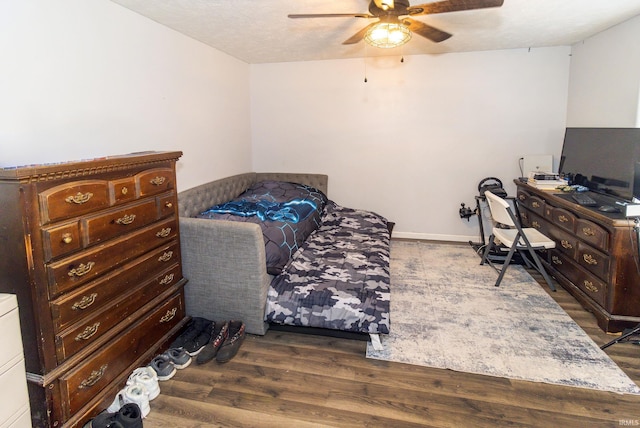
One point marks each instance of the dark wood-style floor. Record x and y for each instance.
(297, 380)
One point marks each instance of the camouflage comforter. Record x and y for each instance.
(339, 278)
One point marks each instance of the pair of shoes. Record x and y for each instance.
(166, 364)
(232, 343)
(218, 336)
(163, 367)
(179, 357)
(196, 335)
(136, 394)
(128, 416)
(146, 377)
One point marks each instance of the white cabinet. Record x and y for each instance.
(14, 399)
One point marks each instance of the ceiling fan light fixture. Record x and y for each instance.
(387, 35)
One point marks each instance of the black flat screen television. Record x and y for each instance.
(606, 160)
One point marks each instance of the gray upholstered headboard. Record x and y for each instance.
(192, 202)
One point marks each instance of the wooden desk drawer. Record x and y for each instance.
(79, 269)
(90, 329)
(70, 200)
(584, 280)
(593, 260)
(565, 242)
(563, 219)
(116, 222)
(593, 234)
(85, 381)
(536, 205)
(167, 204)
(84, 301)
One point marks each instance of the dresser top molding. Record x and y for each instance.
(75, 169)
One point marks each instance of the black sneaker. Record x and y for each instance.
(230, 347)
(193, 328)
(129, 416)
(220, 334)
(194, 346)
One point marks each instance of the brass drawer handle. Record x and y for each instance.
(88, 332)
(525, 216)
(566, 244)
(166, 256)
(124, 190)
(82, 269)
(522, 197)
(167, 279)
(94, 377)
(589, 259)
(158, 181)
(164, 232)
(168, 205)
(588, 231)
(67, 238)
(563, 219)
(535, 204)
(556, 260)
(169, 315)
(589, 286)
(79, 198)
(127, 219)
(85, 302)
(536, 225)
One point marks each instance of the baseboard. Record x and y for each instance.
(435, 237)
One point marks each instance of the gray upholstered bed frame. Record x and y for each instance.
(225, 261)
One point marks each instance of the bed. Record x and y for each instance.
(273, 249)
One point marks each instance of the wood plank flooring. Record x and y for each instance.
(297, 380)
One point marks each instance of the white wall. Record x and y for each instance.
(414, 141)
(89, 78)
(604, 88)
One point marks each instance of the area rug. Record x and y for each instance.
(447, 313)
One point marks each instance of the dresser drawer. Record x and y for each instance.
(593, 260)
(166, 204)
(593, 234)
(70, 200)
(536, 205)
(73, 271)
(123, 190)
(117, 222)
(90, 329)
(86, 380)
(154, 181)
(61, 240)
(80, 303)
(563, 219)
(566, 242)
(584, 280)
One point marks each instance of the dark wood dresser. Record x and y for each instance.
(596, 254)
(92, 251)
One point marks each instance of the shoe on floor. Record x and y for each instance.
(136, 394)
(179, 357)
(193, 328)
(219, 335)
(194, 346)
(163, 367)
(230, 347)
(147, 377)
(129, 416)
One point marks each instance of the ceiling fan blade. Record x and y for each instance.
(427, 31)
(452, 6)
(359, 35)
(330, 15)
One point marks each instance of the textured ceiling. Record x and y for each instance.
(259, 31)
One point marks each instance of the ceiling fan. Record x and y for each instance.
(397, 13)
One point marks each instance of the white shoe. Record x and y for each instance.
(146, 377)
(137, 394)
